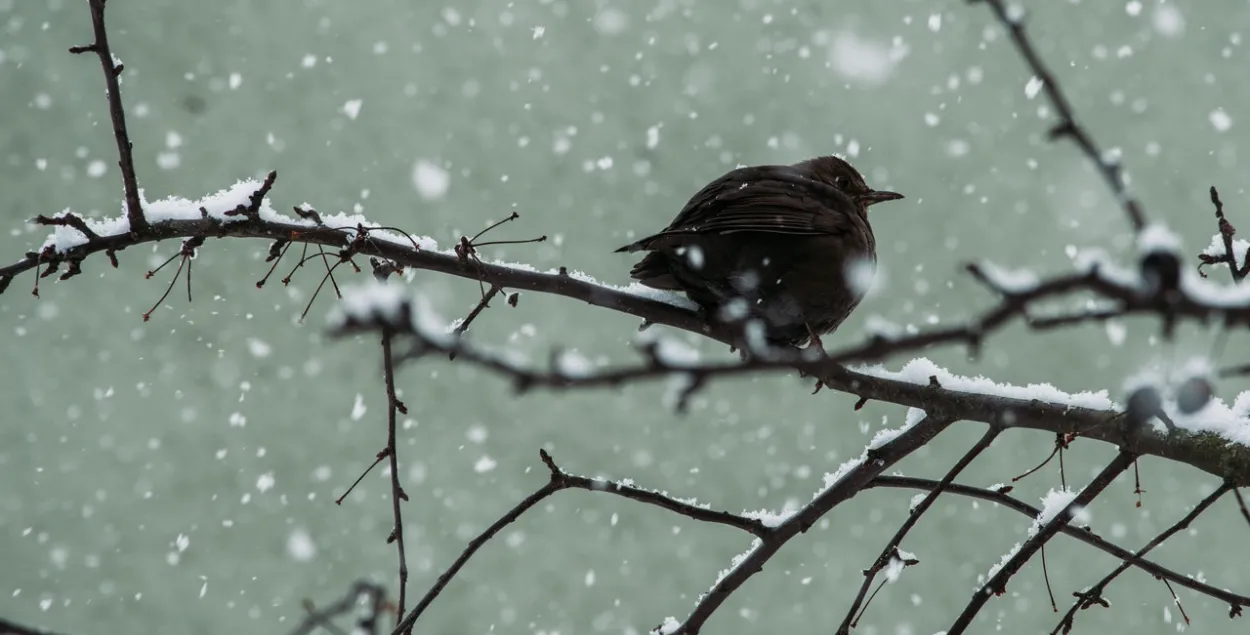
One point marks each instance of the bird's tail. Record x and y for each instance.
(654, 271)
(663, 240)
(640, 245)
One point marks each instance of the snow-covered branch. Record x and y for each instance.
(1214, 438)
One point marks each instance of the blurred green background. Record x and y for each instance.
(179, 475)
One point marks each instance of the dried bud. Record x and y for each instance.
(1144, 403)
(1193, 394)
(1161, 272)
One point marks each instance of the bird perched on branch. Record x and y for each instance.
(787, 245)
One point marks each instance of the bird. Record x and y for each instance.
(787, 247)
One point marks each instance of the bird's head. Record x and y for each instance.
(840, 174)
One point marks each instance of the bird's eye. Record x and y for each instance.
(840, 182)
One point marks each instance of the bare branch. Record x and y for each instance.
(13, 628)
(393, 407)
(852, 479)
(1241, 505)
(482, 305)
(69, 220)
(561, 480)
(625, 489)
(553, 485)
(1227, 232)
(477, 310)
(1082, 534)
(1093, 595)
(117, 112)
(323, 618)
(1107, 166)
(997, 583)
(892, 546)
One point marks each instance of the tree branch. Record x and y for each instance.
(1107, 166)
(891, 547)
(1207, 451)
(13, 628)
(1045, 529)
(1093, 595)
(393, 407)
(367, 623)
(848, 481)
(561, 480)
(117, 112)
(1082, 534)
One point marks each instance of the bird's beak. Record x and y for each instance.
(877, 196)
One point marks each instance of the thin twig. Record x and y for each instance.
(1034, 469)
(182, 261)
(477, 310)
(393, 407)
(329, 276)
(551, 487)
(1093, 595)
(1241, 505)
(1046, 576)
(1107, 166)
(1227, 232)
(511, 217)
(997, 583)
(1177, 601)
(117, 112)
(883, 559)
(68, 220)
(853, 480)
(523, 241)
(1084, 535)
(381, 456)
(366, 623)
(746, 523)
(1137, 482)
(190, 260)
(325, 259)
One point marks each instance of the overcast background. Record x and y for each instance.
(179, 475)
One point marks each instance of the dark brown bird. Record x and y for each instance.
(789, 245)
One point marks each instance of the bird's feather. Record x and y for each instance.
(770, 199)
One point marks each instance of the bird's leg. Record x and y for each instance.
(820, 346)
(815, 342)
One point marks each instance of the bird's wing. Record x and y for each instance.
(773, 199)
